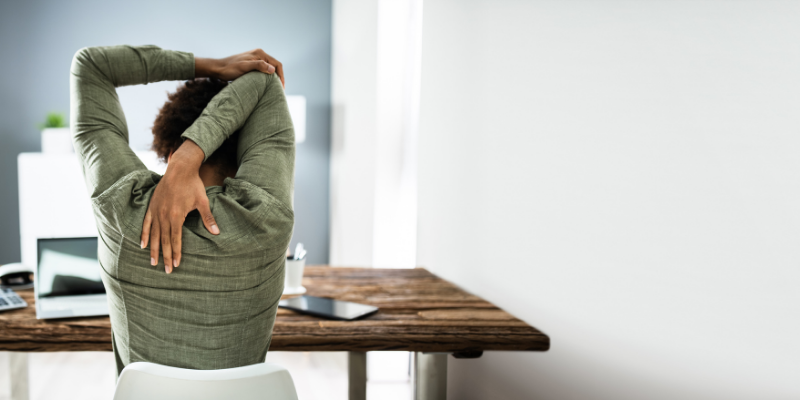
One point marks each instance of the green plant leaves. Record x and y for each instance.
(54, 120)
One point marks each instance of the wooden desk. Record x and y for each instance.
(419, 312)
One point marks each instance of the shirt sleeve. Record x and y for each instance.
(99, 130)
(256, 103)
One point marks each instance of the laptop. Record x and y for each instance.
(67, 282)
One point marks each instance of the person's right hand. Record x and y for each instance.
(230, 68)
(179, 192)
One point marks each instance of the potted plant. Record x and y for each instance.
(56, 137)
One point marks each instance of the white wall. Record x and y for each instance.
(375, 95)
(353, 124)
(399, 48)
(624, 176)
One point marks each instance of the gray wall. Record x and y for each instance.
(38, 39)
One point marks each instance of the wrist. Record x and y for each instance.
(205, 67)
(188, 157)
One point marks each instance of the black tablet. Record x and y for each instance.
(327, 308)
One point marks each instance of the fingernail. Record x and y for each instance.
(175, 263)
(214, 230)
(142, 244)
(152, 261)
(169, 270)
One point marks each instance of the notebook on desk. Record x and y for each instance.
(67, 279)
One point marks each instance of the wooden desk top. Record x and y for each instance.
(418, 312)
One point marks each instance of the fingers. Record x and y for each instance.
(279, 68)
(148, 220)
(208, 218)
(166, 247)
(177, 230)
(260, 65)
(155, 243)
(261, 54)
(280, 74)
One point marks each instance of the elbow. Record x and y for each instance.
(259, 79)
(81, 59)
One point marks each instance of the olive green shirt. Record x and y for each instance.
(218, 308)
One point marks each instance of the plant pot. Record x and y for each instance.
(57, 141)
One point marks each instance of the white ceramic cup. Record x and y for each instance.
(293, 280)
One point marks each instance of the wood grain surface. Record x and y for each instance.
(418, 312)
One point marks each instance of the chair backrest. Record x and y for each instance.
(148, 381)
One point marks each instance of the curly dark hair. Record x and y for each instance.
(179, 112)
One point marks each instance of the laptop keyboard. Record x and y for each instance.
(10, 300)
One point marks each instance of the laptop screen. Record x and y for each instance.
(68, 267)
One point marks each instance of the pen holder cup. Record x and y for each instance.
(293, 279)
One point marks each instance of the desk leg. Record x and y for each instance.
(356, 375)
(429, 376)
(18, 363)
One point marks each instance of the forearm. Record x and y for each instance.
(266, 146)
(133, 65)
(100, 133)
(255, 103)
(227, 112)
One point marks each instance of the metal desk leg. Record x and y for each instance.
(356, 375)
(429, 376)
(18, 363)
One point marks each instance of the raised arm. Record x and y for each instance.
(254, 102)
(100, 134)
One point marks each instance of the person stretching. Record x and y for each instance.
(218, 222)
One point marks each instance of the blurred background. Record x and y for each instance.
(623, 175)
(46, 34)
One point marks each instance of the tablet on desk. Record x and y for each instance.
(327, 308)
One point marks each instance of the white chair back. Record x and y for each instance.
(148, 381)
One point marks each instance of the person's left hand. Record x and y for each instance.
(179, 192)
